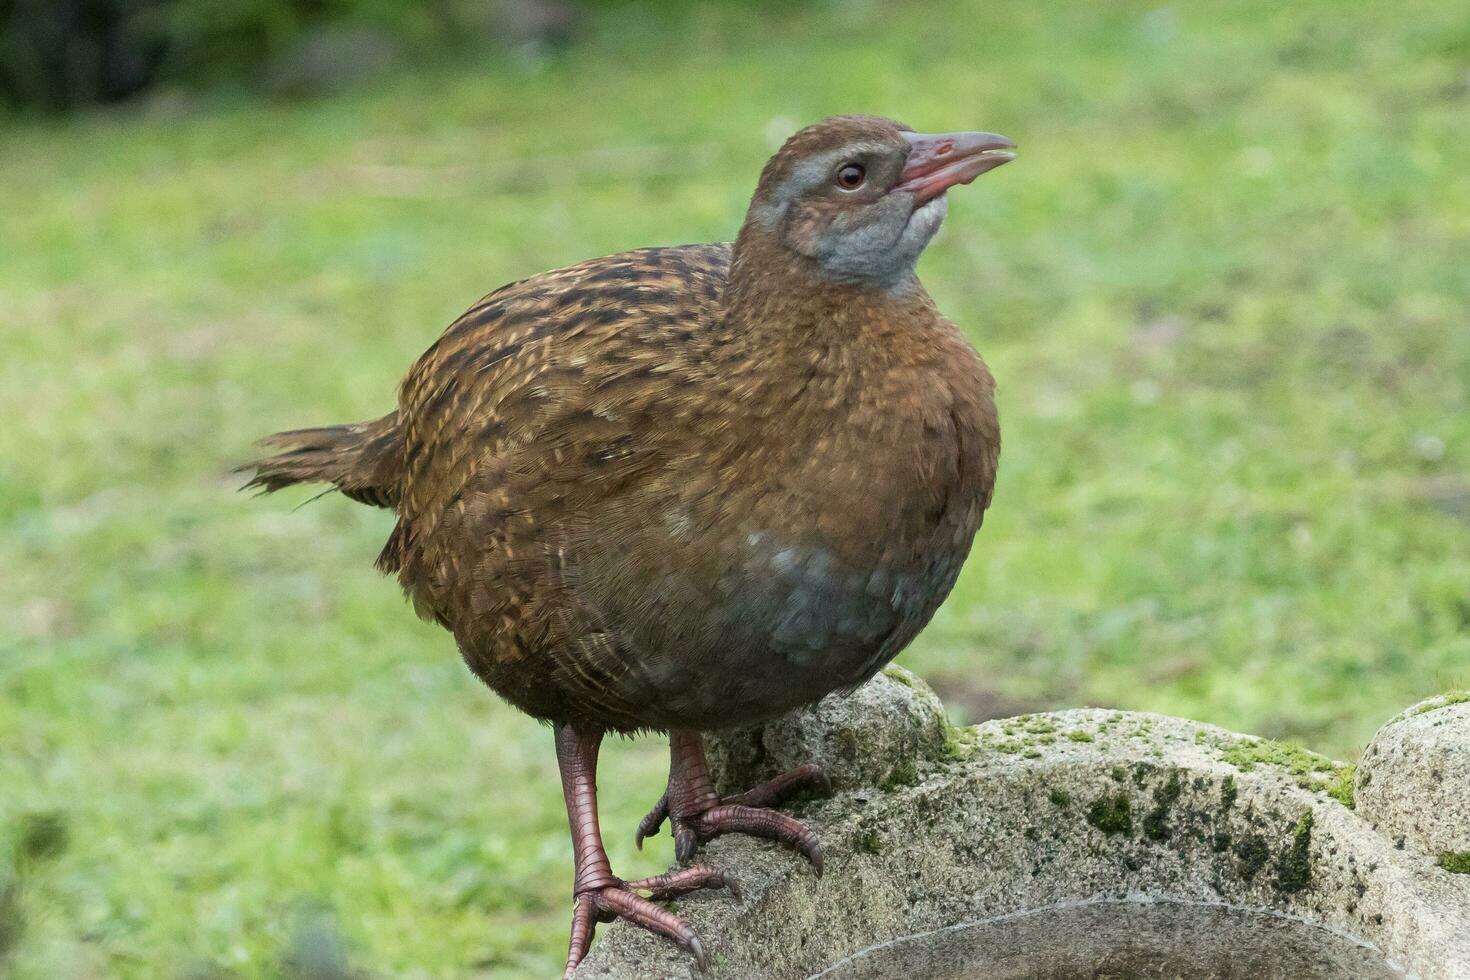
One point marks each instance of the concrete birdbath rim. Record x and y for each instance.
(934, 827)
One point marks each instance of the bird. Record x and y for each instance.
(678, 489)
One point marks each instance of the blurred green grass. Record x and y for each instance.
(1225, 291)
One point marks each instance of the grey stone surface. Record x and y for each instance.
(940, 827)
(1129, 939)
(1413, 783)
(873, 737)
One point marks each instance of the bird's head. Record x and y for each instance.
(861, 196)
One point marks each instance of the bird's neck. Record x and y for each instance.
(784, 304)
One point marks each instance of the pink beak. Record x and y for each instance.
(937, 162)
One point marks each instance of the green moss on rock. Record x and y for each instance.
(1251, 854)
(1246, 753)
(1079, 736)
(1341, 786)
(1455, 862)
(897, 673)
(1443, 701)
(903, 774)
(1294, 866)
(1111, 813)
(959, 743)
(1228, 792)
(1313, 772)
(1156, 822)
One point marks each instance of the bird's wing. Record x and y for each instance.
(523, 403)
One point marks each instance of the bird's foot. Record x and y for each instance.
(621, 900)
(697, 815)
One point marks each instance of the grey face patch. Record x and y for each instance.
(875, 236)
(813, 175)
(816, 172)
(885, 250)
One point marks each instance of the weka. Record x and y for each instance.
(678, 489)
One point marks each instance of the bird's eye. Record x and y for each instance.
(850, 176)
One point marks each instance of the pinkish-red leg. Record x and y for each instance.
(600, 895)
(697, 814)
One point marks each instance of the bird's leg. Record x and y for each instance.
(599, 894)
(696, 813)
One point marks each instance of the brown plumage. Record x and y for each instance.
(681, 488)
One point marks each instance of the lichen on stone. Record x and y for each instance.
(1161, 814)
(847, 742)
(1413, 782)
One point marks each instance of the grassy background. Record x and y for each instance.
(1225, 290)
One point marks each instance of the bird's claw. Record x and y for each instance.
(653, 820)
(745, 813)
(672, 884)
(773, 792)
(735, 818)
(621, 900)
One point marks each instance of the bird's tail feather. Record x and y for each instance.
(362, 460)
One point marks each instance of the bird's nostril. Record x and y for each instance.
(943, 148)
